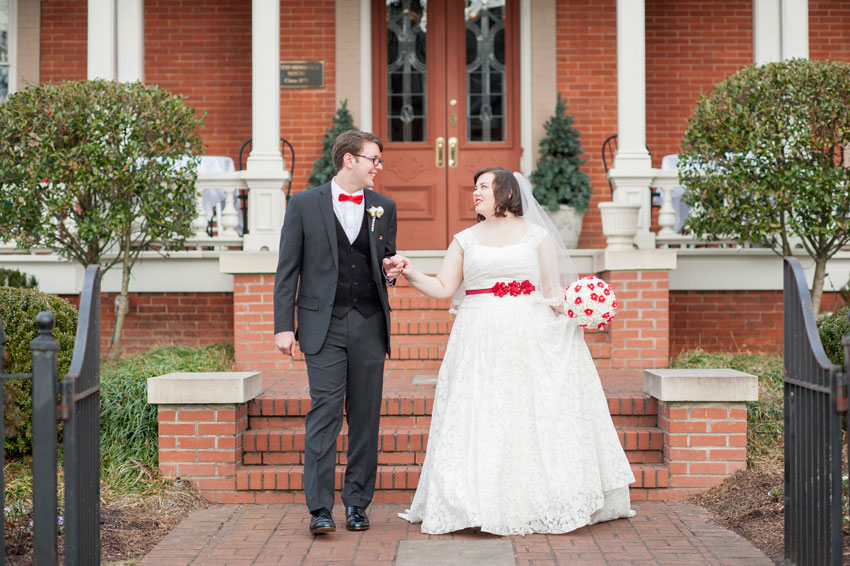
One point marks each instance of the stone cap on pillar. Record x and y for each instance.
(634, 260)
(700, 385)
(204, 388)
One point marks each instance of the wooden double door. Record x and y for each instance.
(445, 104)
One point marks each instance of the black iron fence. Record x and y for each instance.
(80, 409)
(815, 404)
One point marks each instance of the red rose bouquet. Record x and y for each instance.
(590, 301)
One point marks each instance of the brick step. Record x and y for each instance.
(404, 445)
(297, 363)
(631, 407)
(418, 301)
(419, 326)
(396, 477)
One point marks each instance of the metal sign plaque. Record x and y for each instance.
(302, 74)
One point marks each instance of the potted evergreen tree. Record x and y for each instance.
(559, 185)
(323, 167)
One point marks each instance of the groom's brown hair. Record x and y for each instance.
(505, 191)
(352, 141)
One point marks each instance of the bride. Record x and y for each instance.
(521, 440)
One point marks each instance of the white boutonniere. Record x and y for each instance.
(375, 212)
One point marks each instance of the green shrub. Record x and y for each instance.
(15, 278)
(832, 328)
(128, 423)
(18, 309)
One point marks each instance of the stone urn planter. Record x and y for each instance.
(568, 222)
(619, 224)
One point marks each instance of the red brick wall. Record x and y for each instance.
(691, 45)
(731, 321)
(63, 40)
(202, 50)
(829, 30)
(587, 80)
(307, 33)
(156, 320)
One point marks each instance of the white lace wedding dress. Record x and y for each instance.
(521, 438)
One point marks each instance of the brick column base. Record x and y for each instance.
(203, 444)
(639, 336)
(704, 443)
(702, 414)
(202, 422)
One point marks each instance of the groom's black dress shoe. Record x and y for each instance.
(357, 519)
(322, 522)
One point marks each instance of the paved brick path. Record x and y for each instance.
(240, 535)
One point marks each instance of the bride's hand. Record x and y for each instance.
(395, 266)
(559, 308)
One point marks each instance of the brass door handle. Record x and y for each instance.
(452, 152)
(441, 152)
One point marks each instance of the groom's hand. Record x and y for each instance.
(394, 266)
(285, 342)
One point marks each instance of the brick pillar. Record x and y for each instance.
(203, 444)
(202, 420)
(253, 323)
(702, 414)
(704, 443)
(639, 336)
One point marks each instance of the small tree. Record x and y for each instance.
(323, 167)
(762, 160)
(97, 171)
(557, 179)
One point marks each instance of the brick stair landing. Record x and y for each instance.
(272, 460)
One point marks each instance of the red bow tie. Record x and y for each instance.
(356, 200)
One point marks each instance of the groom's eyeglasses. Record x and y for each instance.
(375, 160)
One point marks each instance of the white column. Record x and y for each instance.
(365, 65)
(131, 40)
(795, 29)
(767, 31)
(265, 87)
(632, 170)
(264, 172)
(101, 39)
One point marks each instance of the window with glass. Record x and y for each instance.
(406, 69)
(4, 49)
(485, 70)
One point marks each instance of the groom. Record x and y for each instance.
(336, 250)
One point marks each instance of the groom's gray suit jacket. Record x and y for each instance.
(308, 263)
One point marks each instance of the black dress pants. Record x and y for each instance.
(346, 374)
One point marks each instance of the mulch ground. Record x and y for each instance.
(751, 503)
(131, 526)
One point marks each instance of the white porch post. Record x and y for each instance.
(264, 172)
(101, 62)
(767, 31)
(131, 40)
(632, 170)
(795, 29)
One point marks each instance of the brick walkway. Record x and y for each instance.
(240, 535)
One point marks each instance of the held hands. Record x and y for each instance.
(395, 266)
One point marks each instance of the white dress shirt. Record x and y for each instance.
(350, 215)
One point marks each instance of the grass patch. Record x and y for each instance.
(128, 423)
(765, 417)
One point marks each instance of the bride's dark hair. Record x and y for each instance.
(505, 191)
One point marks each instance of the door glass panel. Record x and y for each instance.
(406, 69)
(485, 70)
